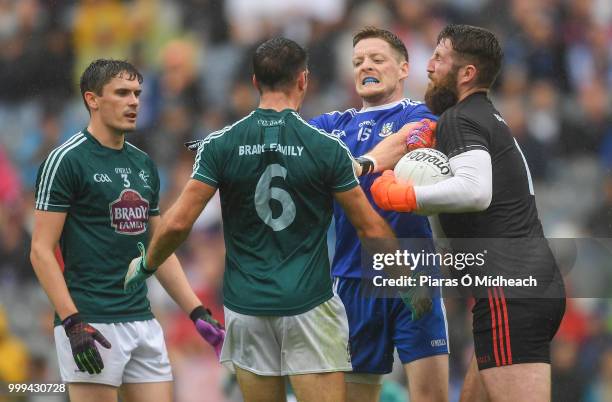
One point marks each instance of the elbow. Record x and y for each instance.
(36, 253)
(481, 201)
(177, 227)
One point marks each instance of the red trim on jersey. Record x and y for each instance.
(500, 328)
(508, 344)
(493, 331)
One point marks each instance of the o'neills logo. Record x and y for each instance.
(129, 213)
(433, 157)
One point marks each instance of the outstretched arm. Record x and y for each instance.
(172, 277)
(389, 151)
(170, 273)
(367, 223)
(177, 222)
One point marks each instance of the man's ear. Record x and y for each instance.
(467, 75)
(404, 69)
(303, 80)
(255, 83)
(91, 99)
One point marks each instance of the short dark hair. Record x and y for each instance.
(477, 46)
(277, 62)
(392, 39)
(101, 71)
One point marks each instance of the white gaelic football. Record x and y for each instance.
(423, 166)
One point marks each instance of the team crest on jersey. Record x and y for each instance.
(129, 213)
(386, 129)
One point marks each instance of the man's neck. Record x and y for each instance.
(279, 101)
(106, 136)
(395, 97)
(468, 92)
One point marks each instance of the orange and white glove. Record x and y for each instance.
(393, 195)
(423, 136)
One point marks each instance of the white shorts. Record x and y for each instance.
(313, 342)
(138, 354)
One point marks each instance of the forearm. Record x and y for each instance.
(455, 195)
(52, 281)
(378, 228)
(390, 150)
(469, 190)
(172, 277)
(165, 241)
(171, 231)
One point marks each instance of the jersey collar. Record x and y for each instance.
(380, 107)
(98, 144)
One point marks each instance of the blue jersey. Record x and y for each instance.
(361, 131)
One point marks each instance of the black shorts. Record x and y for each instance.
(515, 330)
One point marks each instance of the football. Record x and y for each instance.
(423, 166)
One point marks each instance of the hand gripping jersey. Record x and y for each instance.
(361, 131)
(108, 196)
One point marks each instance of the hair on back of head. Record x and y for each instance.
(277, 62)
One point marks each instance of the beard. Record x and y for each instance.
(443, 95)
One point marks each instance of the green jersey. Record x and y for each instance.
(108, 196)
(276, 175)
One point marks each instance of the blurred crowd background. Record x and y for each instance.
(554, 92)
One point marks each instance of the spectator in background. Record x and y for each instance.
(568, 381)
(100, 31)
(588, 124)
(599, 223)
(543, 104)
(536, 153)
(15, 360)
(177, 101)
(601, 388)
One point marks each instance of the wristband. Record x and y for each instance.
(367, 163)
(71, 321)
(199, 312)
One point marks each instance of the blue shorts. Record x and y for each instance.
(377, 325)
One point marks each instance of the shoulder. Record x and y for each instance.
(411, 104)
(464, 113)
(66, 151)
(329, 120)
(137, 151)
(317, 134)
(416, 110)
(338, 114)
(223, 133)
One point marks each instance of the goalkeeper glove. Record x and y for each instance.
(208, 328)
(418, 300)
(137, 271)
(391, 195)
(83, 339)
(423, 136)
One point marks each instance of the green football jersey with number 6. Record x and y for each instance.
(276, 175)
(108, 196)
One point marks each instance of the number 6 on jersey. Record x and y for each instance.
(264, 192)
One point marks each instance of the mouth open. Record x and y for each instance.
(131, 115)
(369, 80)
